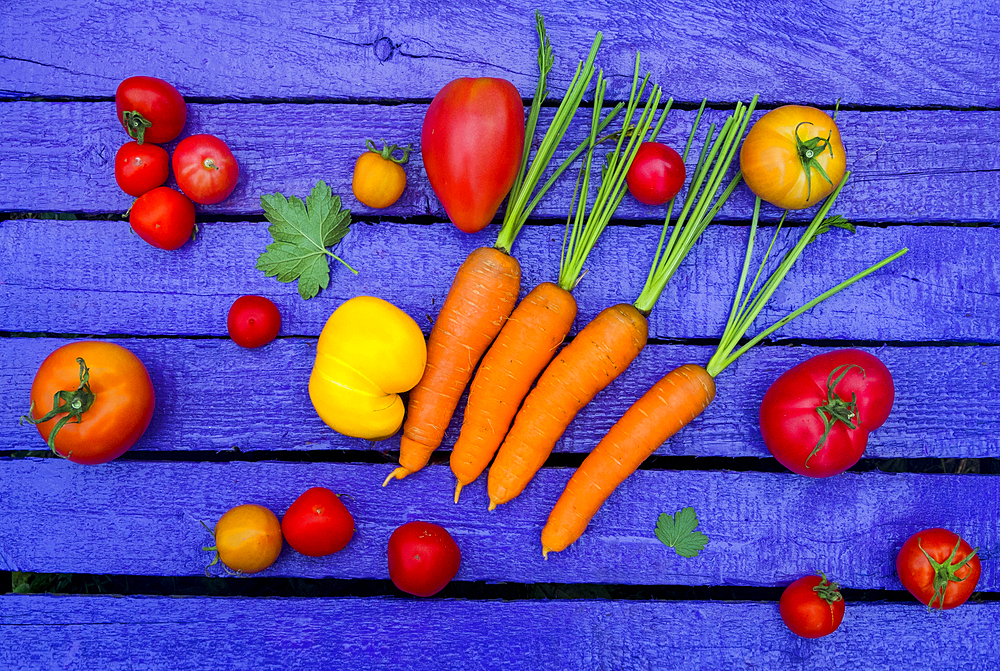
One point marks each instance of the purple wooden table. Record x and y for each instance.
(295, 88)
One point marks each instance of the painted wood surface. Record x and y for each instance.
(935, 53)
(945, 288)
(907, 166)
(204, 402)
(118, 634)
(765, 529)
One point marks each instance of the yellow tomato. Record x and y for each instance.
(248, 538)
(379, 179)
(793, 157)
(369, 352)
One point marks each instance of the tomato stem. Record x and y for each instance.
(136, 125)
(72, 403)
(945, 572)
(809, 150)
(387, 151)
(828, 591)
(837, 409)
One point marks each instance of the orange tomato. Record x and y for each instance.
(105, 401)
(379, 178)
(248, 538)
(793, 157)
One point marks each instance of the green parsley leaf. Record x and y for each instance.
(678, 532)
(302, 232)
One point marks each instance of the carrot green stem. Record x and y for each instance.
(519, 203)
(743, 316)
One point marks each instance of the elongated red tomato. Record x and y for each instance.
(471, 142)
(816, 417)
(150, 109)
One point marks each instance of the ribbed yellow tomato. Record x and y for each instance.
(793, 157)
(368, 353)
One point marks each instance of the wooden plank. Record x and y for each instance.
(766, 529)
(48, 632)
(936, 53)
(911, 166)
(945, 288)
(196, 382)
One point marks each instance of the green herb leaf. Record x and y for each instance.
(302, 232)
(678, 532)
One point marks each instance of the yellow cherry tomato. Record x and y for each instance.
(379, 178)
(248, 538)
(368, 353)
(793, 157)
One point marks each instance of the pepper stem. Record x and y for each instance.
(71, 403)
(136, 125)
(387, 150)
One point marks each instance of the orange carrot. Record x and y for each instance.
(486, 286)
(538, 326)
(606, 346)
(678, 398)
(595, 357)
(666, 408)
(526, 344)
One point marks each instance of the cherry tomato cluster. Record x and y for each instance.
(153, 112)
(422, 557)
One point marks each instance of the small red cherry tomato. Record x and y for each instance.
(379, 178)
(812, 607)
(150, 109)
(141, 167)
(656, 175)
(939, 568)
(423, 558)
(317, 523)
(253, 321)
(205, 169)
(163, 217)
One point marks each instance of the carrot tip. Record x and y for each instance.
(493, 504)
(397, 474)
(545, 553)
(458, 490)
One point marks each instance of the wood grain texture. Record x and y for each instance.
(945, 288)
(908, 166)
(139, 518)
(896, 54)
(49, 632)
(214, 395)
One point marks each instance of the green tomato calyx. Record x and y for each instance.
(136, 125)
(71, 403)
(945, 572)
(809, 150)
(387, 150)
(837, 409)
(828, 591)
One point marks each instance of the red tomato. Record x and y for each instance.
(141, 167)
(472, 141)
(812, 607)
(816, 417)
(111, 390)
(656, 175)
(253, 321)
(939, 568)
(163, 217)
(423, 558)
(150, 109)
(318, 523)
(205, 169)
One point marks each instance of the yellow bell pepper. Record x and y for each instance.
(368, 353)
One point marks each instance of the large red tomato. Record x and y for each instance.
(150, 109)
(472, 142)
(938, 567)
(816, 417)
(105, 401)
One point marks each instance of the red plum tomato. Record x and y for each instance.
(163, 217)
(939, 568)
(656, 175)
(141, 167)
(253, 321)
(111, 392)
(812, 606)
(150, 109)
(471, 142)
(423, 558)
(816, 417)
(205, 169)
(317, 523)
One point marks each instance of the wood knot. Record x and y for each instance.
(384, 49)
